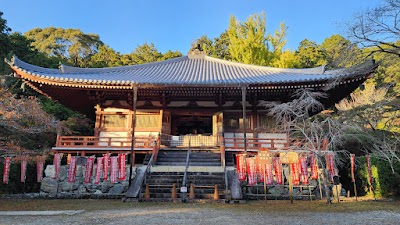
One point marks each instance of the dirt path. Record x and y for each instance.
(193, 214)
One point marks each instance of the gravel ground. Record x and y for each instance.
(190, 214)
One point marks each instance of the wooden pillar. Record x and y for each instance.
(254, 118)
(135, 90)
(244, 119)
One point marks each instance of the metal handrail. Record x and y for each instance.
(224, 165)
(187, 165)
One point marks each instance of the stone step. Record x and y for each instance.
(204, 164)
(171, 163)
(203, 177)
(204, 158)
(165, 181)
(171, 160)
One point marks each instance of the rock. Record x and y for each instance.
(49, 185)
(116, 190)
(63, 174)
(82, 189)
(65, 186)
(313, 183)
(125, 183)
(296, 191)
(234, 185)
(79, 171)
(305, 192)
(49, 171)
(105, 186)
(277, 190)
(98, 192)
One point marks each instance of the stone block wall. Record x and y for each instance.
(60, 187)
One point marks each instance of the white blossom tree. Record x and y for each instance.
(317, 133)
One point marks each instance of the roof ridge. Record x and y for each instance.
(15, 61)
(315, 70)
(73, 69)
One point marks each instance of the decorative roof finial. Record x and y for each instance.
(196, 52)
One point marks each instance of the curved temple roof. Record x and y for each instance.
(193, 70)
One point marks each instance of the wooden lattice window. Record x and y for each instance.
(143, 121)
(267, 122)
(114, 121)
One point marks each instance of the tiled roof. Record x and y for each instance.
(197, 70)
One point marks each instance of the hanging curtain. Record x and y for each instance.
(260, 170)
(106, 163)
(122, 166)
(72, 169)
(330, 164)
(57, 164)
(241, 167)
(6, 169)
(114, 169)
(98, 170)
(314, 167)
(352, 159)
(304, 170)
(23, 170)
(251, 171)
(39, 168)
(89, 169)
(268, 174)
(295, 170)
(278, 170)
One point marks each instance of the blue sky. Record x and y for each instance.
(174, 25)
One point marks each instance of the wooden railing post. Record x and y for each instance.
(155, 151)
(58, 142)
(222, 151)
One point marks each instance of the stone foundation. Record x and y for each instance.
(60, 187)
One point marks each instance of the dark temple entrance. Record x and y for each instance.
(184, 124)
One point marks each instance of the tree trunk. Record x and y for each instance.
(325, 180)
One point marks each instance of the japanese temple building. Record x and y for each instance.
(192, 100)
(161, 112)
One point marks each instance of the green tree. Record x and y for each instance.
(105, 57)
(286, 59)
(388, 72)
(248, 40)
(171, 54)
(340, 52)
(4, 42)
(278, 40)
(221, 46)
(310, 54)
(217, 48)
(70, 44)
(205, 44)
(145, 53)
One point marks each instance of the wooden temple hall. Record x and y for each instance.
(192, 102)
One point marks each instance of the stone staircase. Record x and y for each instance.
(204, 184)
(198, 157)
(161, 184)
(204, 172)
